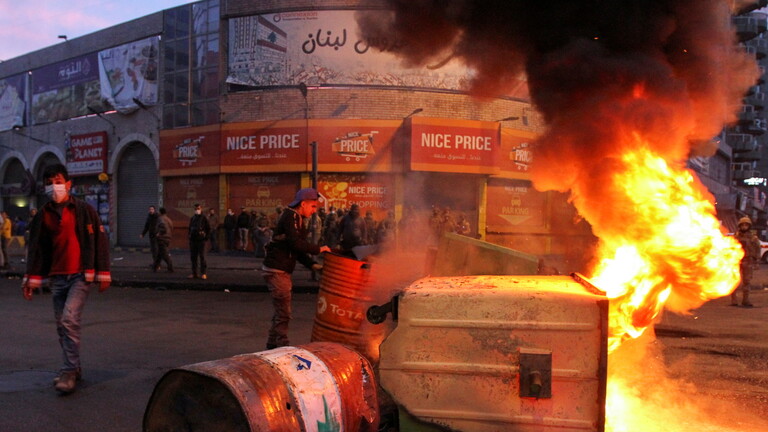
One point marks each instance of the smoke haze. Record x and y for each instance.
(670, 70)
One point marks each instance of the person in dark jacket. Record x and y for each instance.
(150, 227)
(263, 235)
(199, 229)
(230, 228)
(213, 221)
(164, 236)
(352, 230)
(68, 249)
(370, 228)
(243, 226)
(289, 244)
(331, 230)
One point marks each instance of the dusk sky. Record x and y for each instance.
(29, 25)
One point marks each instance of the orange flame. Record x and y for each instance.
(673, 253)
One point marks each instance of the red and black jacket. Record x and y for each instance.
(94, 245)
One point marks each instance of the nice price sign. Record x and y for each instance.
(87, 154)
(449, 145)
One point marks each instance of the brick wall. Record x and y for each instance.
(357, 103)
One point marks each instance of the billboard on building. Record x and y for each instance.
(515, 206)
(129, 72)
(324, 47)
(180, 194)
(265, 146)
(355, 145)
(86, 154)
(374, 192)
(516, 155)
(66, 89)
(452, 145)
(12, 97)
(190, 151)
(262, 192)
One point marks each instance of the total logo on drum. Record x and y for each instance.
(323, 306)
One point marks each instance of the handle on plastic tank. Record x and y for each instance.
(535, 383)
(377, 314)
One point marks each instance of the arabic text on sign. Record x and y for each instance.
(315, 41)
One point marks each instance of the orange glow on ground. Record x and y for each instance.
(642, 397)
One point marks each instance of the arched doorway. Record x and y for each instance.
(137, 181)
(17, 187)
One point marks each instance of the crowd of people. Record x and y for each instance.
(340, 229)
(9, 228)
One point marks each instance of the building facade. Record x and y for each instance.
(239, 103)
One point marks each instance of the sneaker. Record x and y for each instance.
(78, 375)
(67, 382)
(747, 305)
(204, 276)
(192, 276)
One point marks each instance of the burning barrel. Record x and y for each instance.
(347, 289)
(499, 353)
(317, 386)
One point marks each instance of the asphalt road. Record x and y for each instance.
(132, 336)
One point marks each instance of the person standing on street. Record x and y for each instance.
(150, 227)
(164, 237)
(751, 245)
(198, 234)
(243, 226)
(32, 213)
(370, 228)
(6, 232)
(2, 253)
(263, 235)
(289, 244)
(69, 249)
(352, 231)
(230, 227)
(213, 221)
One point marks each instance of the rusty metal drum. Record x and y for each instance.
(314, 387)
(347, 289)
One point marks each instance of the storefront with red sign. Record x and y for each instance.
(262, 192)
(257, 147)
(86, 159)
(449, 163)
(181, 193)
(371, 192)
(414, 167)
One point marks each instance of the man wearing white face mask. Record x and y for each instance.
(69, 249)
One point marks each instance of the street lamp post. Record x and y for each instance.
(313, 144)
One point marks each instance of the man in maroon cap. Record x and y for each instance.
(289, 244)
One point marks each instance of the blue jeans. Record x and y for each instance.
(279, 284)
(69, 295)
